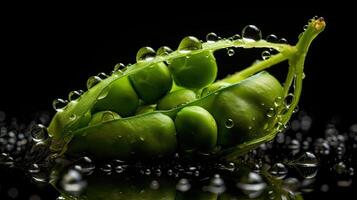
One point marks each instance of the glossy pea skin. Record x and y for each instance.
(120, 98)
(152, 82)
(146, 136)
(194, 71)
(176, 98)
(196, 129)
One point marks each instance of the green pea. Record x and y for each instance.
(196, 129)
(119, 97)
(150, 135)
(194, 71)
(152, 82)
(176, 98)
(103, 116)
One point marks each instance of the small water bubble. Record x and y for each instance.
(230, 52)
(307, 165)
(164, 50)
(72, 182)
(183, 185)
(145, 53)
(189, 43)
(272, 38)
(154, 185)
(236, 37)
(252, 185)
(283, 41)
(148, 171)
(158, 172)
(119, 169)
(196, 173)
(211, 37)
(265, 55)
(39, 133)
(270, 113)
(85, 165)
(339, 167)
(278, 170)
(170, 172)
(216, 185)
(59, 104)
(92, 81)
(251, 32)
(40, 177)
(102, 75)
(34, 168)
(118, 67)
(6, 160)
(229, 123)
(107, 168)
(322, 147)
(305, 27)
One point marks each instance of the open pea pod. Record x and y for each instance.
(170, 102)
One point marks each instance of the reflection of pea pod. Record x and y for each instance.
(154, 133)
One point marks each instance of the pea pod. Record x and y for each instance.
(226, 118)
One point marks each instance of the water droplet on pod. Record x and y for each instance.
(145, 53)
(230, 52)
(92, 81)
(39, 133)
(251, 32)
(74, 95)
(59, 104)
(211, 37)
(189, 43)
(265, 55)
(164, 50)
(272, 38)
(229, 123)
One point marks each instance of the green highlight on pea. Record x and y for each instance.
(171, 101)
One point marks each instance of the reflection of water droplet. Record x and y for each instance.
(307, 165)
(148, 171)
(229, 123)
(34, 168)
(183, 185)
(59, 104)
(251, 32)
(72, 182)
(6, 160)
(119, 169)
(164, 50)
(252, 185)
(107, 168)
(216, 185)
(170, 172)
(211, 37)
(278, 170)
(158, 172)
(145, 53)
(154, 185)
(190, 43)
(84, 165)
(39, 133)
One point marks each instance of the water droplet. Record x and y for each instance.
(230, 52)
(154, 185)
(119, 169)
(107, 168)
(170, 172)
(145, 53)
(265, 55)
(278, 170)
(34, 168)
(211, 37)
(216, 185)
(340, 167)
(74, 95)
(158, 172)
(164, 50)
(229, 123)
(39, 133)
(270, 113)
(321, 147)
(92, 81)
(272, 38)
(307, 165)
(289, 99)
(118, 67)
(183, 185)
(251, 32)
(283, 41)
(59, 104)
(189, 43)
(291, 184)
(102, 75)
(72, 182)
(305, 27)
(236, 37)
(84, 165)
(6, 160)
(252, 185)
(142, 139)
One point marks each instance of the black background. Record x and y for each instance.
(46, 53)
